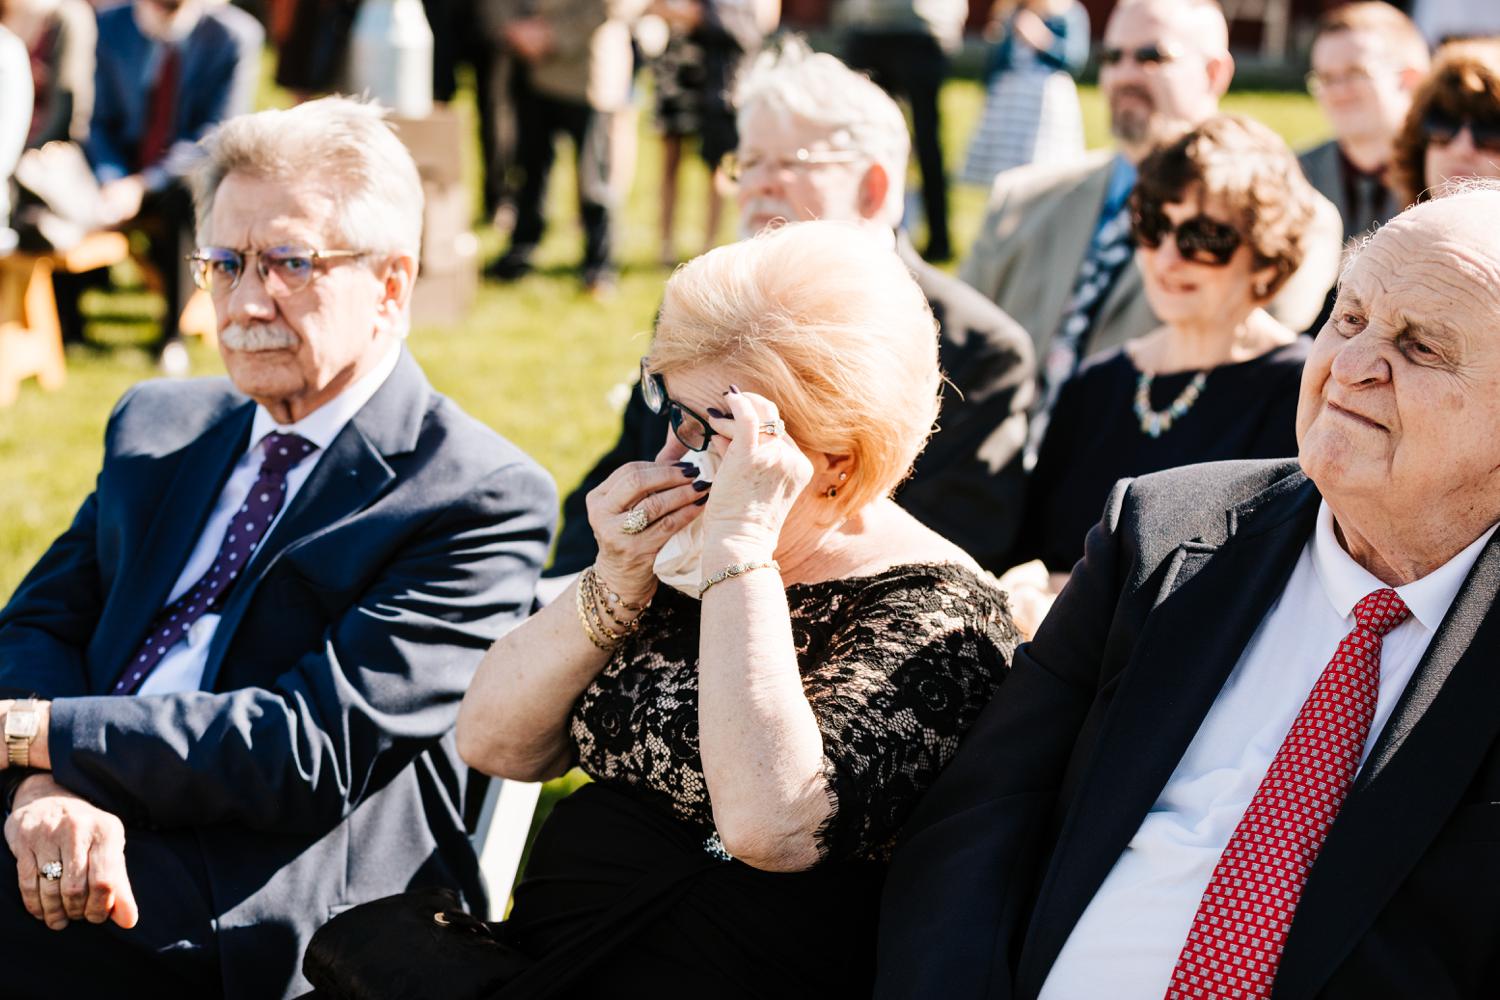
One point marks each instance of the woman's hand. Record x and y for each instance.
(666, 492)
(759, 479)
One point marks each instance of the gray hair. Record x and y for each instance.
(344, 140)
(821, 90)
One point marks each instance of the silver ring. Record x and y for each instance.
(635, 522)
(52, 871)
(773, 427)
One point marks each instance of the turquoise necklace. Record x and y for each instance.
(1158, 422)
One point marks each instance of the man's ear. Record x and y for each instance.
(873, 187)
(1411, 78)
(399, 277)
(1220, 70)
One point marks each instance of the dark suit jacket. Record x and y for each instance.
(967, 485)
(219, 72)
(316, 767)
(1008, 848)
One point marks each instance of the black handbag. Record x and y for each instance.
(417, 945)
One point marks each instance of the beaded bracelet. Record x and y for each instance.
(730, 572)
(591, 596)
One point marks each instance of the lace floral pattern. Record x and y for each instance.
(896, 667)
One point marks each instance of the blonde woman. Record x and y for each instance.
(756, 741)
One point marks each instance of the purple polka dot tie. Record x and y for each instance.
(1235, 944)
(247, 527)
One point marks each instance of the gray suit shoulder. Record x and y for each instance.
(1025, 183)
(1164, 509)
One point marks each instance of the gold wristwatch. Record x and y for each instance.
(21, 724)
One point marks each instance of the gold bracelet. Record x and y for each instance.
(730, 572)
(583, 619)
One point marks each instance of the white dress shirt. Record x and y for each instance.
(182, 668)
(1127, 941)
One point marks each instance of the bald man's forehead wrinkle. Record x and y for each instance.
(1198, 24)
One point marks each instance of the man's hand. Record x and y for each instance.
(49, 824)
(40, 758)
(122, 199)
(530, 38)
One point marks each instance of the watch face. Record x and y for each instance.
(20, 725)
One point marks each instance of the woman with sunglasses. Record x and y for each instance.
(757, 731)
(1219, 218)
(1452, 131)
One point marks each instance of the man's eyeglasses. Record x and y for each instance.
(1352, 77)
(1199, 239)
(1441, 129)
(691, 429)
(737, 165)
(283, 270)
(1145, 55)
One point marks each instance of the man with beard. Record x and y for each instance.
(819, 141)
(236, 673)
(1055, 250)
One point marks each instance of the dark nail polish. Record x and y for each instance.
(700, 485)
(717, 414)
(700, 501)
(689, 470)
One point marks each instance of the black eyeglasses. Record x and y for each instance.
(283, 270)
(691, 429)
(1145, 55)
(1199, 239)
(1441, 129)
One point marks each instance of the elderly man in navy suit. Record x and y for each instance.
(236, 673)
(1254, 750)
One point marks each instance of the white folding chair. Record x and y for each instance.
(500, 836)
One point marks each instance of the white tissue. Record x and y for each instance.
(679, 564)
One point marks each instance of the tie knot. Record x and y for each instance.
(283, 452)
(1381, 611)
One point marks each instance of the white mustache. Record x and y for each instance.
(769, 207)
(260, 337)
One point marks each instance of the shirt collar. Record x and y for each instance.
(1346, 582)
(1122, 174)
(322, 425)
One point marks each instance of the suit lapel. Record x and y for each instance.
(346, 480)
(1424, 759)
(202, 468)
(1203, 619)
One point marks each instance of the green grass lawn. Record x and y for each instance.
(540, 362)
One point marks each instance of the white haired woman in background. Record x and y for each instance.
(757, 737)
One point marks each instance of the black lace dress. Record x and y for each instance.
(628, 878)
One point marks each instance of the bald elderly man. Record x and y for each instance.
(1253, 746)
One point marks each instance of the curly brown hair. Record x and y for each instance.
(1248, 168)
(1465, 86)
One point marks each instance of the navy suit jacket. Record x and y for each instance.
(219, 72)
(1005, 852)
(316, 767)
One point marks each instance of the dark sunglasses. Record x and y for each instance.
(691, 429)
(1199, 239)
(1441, 129)
(1146, 55)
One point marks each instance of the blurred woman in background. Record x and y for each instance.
(1453, 129)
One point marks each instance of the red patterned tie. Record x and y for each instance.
(161, 110)
(1240, 929)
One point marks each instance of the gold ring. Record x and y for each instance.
(52, 871)
(635, 522)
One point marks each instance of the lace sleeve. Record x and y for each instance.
(908, 666)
